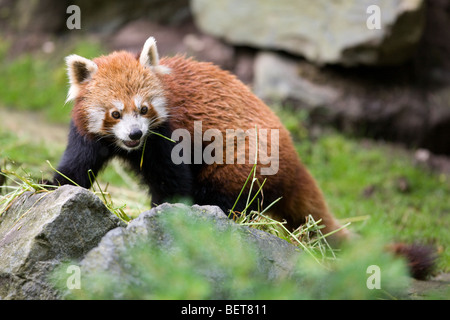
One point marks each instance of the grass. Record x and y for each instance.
(363, 181)
(212, 263)
(38, 81)
(308, 236)
(204, 261)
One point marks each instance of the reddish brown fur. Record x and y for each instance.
(420, 258)
(197, 91)
(203, 92)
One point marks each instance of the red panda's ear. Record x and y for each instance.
(79, 70)
(149, 57)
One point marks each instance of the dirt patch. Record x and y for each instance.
(33, 126)
(436, 287)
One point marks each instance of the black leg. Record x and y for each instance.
(81, 155)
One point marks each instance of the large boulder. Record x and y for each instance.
(40, 230)
(46, 238)
(277, 79)
(357, 102)
(176, 237)
(323, 31)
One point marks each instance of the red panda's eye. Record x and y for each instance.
(144, 110)
(115, 114)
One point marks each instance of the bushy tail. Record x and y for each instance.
(421, 259)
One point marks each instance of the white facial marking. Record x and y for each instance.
(118, 104)
(138, 101)
(96, 118)
(159, 104)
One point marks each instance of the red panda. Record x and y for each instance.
(121, 100)
(124, 102)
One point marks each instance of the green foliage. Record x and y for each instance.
(25, 156)
(38, 81)
(205, 262)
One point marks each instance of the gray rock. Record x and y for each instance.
(359, 105)
(323, 31)
(274, 255)
(277, 79)
(40, 230)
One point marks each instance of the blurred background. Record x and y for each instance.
(390, 83)
(366, 96)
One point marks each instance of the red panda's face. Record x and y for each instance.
(118, 96)
(127, 120)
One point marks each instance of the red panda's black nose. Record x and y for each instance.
(135, 134)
